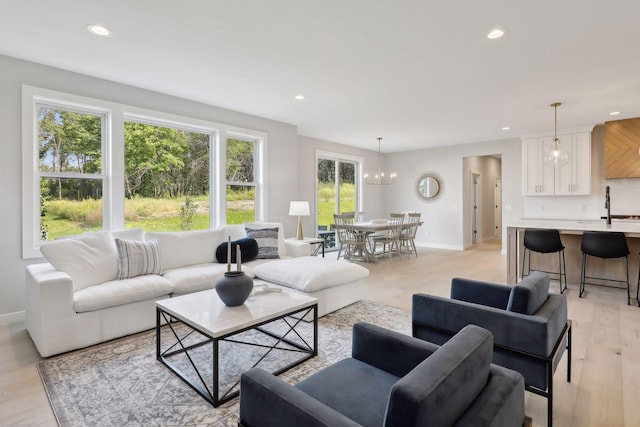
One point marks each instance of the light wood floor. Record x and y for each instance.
(605, 386)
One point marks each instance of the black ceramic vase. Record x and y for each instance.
(234, 288)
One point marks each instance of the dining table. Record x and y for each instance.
(371, 227)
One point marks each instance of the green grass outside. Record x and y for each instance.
(66, 217)
(326, 201)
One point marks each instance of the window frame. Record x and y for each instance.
(113, 161)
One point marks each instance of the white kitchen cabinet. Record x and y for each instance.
(537, 179)
(572, 179)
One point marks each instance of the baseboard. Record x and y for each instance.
(10, 318)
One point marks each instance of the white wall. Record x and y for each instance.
(445, 224)
(625, 193)
(373, 197)
(281, 155)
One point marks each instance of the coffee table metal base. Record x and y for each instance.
(212, 394)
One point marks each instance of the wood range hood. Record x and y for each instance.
(622, 149)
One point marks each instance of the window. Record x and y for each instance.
(90, 164)
(166, 178)
(70, 146)
(241, 186)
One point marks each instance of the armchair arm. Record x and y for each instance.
(388, 350)
(535, 334)
(266, 401)
(485, 293)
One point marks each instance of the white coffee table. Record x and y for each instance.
(204, 313)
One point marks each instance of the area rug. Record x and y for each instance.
(120, 383)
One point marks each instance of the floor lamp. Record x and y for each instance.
(299, 209)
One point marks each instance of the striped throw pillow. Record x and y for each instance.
(267, 239)
(137, 258)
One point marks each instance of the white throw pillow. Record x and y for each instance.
(182, 248)
(90, 258)
(136, 258)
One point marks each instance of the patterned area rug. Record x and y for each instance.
(120, 383)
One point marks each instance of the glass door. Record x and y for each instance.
(337, 192)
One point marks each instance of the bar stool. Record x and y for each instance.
(545, 242)
(605, 245)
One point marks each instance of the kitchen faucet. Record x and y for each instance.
(607, 205)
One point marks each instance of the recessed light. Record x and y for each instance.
(99, 30)
(299, 97)
(506, 127)
(495, 34)
(614, 113)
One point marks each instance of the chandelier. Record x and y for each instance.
(556, 157)
(379, 178)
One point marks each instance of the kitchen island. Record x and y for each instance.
(571, 234)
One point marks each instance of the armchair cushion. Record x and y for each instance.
(529, 294)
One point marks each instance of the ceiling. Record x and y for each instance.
(417, 73)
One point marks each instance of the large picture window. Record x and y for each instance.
(166, 178)
(90, 165)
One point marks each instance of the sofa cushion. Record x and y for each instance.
(89, 258)
(267, 239)
(441, 388)
(310, 274)
(182, 248)
(119, 292)
(282, 248)
(136, 258)
(199, 277)
(529, 294)
(129, 234)
(248, 248)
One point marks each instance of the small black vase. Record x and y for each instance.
(234, 288)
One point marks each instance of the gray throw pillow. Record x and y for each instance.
(267, 239)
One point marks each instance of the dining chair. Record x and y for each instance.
(392, 237)
(408, 234)
(354, 242)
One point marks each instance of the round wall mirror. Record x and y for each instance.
(429, 186)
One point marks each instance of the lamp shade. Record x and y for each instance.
(299, 208)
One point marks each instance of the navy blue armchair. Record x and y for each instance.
(529, 325)
(392, 380)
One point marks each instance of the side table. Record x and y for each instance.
(311, 241)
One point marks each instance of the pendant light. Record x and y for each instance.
(379, 178)
(556, 157)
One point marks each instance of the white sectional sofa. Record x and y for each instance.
(76, 299)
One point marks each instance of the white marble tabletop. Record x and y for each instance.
(206, 312)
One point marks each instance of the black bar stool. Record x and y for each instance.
(545, 242)
(605, 245)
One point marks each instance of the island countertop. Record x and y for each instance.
(515, 231)
(630, 227)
